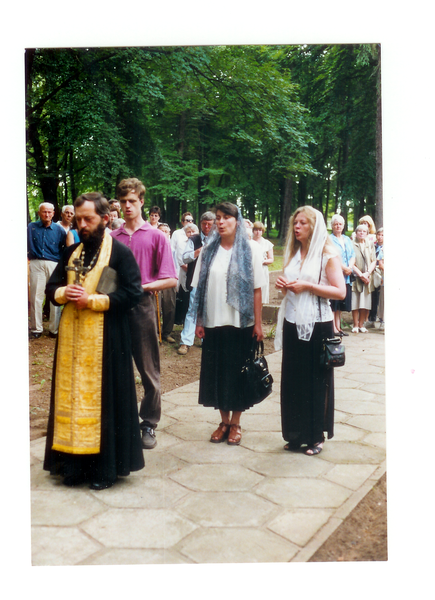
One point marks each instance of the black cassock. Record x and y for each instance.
(121, 446)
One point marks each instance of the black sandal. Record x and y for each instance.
(315, 449)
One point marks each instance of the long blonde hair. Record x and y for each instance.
(292, 245)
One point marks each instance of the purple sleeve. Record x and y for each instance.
(165, 267)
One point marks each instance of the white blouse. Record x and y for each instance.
(219, 313)
(292, 272)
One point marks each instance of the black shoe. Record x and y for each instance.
(343, 333)
(148, 438)
(52, 335)
(35, 335)
(100, 485)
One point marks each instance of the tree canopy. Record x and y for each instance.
(268, 127)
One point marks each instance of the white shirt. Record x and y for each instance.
(219, 313)
(292, 272)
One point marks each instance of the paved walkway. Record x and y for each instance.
(197, 502)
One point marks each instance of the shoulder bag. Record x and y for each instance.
(256, 378)
(333, 350)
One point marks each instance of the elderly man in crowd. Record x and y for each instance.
(45, 244)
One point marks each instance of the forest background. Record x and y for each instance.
(270, 127)
(406, 33)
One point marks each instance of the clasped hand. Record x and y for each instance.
(297, 286)
(77, 294)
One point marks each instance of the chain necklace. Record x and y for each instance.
(91, 264)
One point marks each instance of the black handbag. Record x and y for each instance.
(333, 353)
(333, 350)
(256, 379)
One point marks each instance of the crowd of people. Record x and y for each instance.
(116, 286)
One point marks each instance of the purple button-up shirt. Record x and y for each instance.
(151, 250)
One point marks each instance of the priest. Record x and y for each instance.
(93, 429)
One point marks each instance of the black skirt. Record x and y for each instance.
(307, 387)
(343, 305)
(224, 352)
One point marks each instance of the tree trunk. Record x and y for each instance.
(379, 215)
(286, 208)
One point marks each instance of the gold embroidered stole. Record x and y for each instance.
(79, 367)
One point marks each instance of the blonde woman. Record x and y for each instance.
(368, 222)
(312, 275)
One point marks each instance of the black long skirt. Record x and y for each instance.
(343, 305)
(224, 352)
(307, 387)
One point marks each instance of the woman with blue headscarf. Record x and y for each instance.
(228, 279)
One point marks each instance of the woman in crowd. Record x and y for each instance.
(362, 287)
(267, 250)
(228, 279)
(376, 292)
(347, 256)
(183, 289)
(371, 236)
(72, 237)
(381, 294)
(312, 275)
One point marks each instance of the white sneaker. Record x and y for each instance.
(363, 330)
(355, 330)
(183, 349)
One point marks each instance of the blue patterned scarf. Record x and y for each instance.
(240, 278)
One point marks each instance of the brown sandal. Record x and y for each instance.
(220, 434)
(235, 436)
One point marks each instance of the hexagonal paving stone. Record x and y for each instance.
(191, 431)
(159, 464)
(261, 422)
(345, 383)
(146, 492)
(63, 507)
(346, 433)
(211, 453)
(227, 545)
(138, 528)
(37, 449)
(287, 464)
(353, 453)
(364, 377)
(373, 423)
(263, 442)
(52, 546)
(303, 493)
(354, 395)
(164, 442)
(351, 476)
(192, 414)
(299, 525)
(215, 478)
(376, 439)
(226, 509)
(124, 556)
(361, 408)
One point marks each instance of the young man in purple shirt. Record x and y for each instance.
(153, 255)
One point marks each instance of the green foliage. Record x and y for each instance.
(204, 124)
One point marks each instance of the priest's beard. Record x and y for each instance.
(92, 239)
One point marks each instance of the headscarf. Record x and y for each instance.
(240, 277)
(306, 303)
